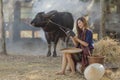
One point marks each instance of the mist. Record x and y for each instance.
(77, 8)
(38, 46)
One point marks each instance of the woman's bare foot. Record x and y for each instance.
(60, 73)
(72, 73)
(68, 69)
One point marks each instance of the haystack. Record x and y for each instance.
(109, 48)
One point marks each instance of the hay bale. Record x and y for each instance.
(109, 48)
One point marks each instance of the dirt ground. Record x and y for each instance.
(19, 67)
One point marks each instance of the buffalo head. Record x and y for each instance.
(39, 20)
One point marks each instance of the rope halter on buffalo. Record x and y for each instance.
(67, 31)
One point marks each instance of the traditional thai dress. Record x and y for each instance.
(82, 57)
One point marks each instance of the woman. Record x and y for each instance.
(83, 40)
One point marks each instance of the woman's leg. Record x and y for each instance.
(64, 64)
(68, 68)
(71, 62)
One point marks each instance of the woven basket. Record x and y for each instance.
(96, 59)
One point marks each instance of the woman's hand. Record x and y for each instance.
(71, 37)
(76, 38)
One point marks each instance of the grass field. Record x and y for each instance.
(19, 67)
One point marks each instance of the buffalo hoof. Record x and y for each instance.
(48, 54)
(54, 54)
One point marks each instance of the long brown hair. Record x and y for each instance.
(79, 31)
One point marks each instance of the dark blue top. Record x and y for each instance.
(89, 39)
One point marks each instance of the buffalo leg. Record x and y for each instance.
(49, 50)
(49, 44)
(54, 52)
(55, 44)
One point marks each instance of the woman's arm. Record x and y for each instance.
(74, 41)
(80, 41)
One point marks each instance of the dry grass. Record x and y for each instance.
(39, 68)
(108, 48)
(32, 68)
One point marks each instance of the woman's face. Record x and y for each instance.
(80, 24)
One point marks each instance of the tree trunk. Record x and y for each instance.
(2, 29)
(118, 6)
(107, 7)
(11, 19)
(17, 15)
(102, 20)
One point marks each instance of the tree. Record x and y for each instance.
(2, 29)
(118, 6)
(103, 18)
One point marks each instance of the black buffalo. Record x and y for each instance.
(54, 24)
